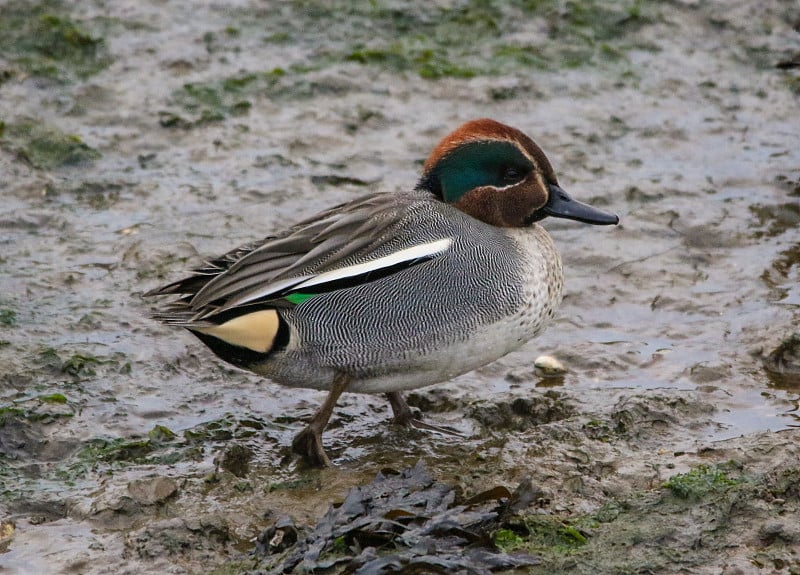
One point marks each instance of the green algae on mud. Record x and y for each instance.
(41, 409)
(429, 40)
(644, 531)
(44, 146)
(214, 101)
(8, 317)
(162, 446)
(42, 40)
(703, 481)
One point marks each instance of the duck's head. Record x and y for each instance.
(498, 175)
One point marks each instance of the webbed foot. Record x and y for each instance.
(308, 445)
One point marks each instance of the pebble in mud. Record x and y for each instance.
(783, 362)
(549, 366)
(7, 529)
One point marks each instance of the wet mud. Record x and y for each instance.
(137, 138)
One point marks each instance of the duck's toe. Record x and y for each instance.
(405, 416)
(308, 445)
(419, 424)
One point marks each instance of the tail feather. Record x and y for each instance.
(189, 285)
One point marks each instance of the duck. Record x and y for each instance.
(393, 291)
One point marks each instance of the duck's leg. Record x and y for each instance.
(402, 413)
(308, 443)
(405, 417)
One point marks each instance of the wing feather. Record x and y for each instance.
(332, 246)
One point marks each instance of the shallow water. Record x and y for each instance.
(690, 134)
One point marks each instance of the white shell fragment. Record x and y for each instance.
(549, 366)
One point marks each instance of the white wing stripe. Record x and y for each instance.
(408, 254)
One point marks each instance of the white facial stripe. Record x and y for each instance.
(500, 189)
(541, 182)
(408, 254)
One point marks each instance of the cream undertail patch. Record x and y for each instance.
(255, 331)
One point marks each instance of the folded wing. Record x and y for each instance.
(330, 251)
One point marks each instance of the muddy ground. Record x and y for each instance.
(137, 137)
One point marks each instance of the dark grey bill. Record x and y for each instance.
(560, 205)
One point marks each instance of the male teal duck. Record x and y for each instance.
(393, 291)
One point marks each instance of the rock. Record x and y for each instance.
(523, 413)
(783, 363)
(191, 537)
(236, 460)
(152, 490)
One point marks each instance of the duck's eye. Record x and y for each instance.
(511, 175)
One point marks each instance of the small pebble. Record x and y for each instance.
(6, 529)
(549, 366)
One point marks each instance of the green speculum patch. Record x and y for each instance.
(298, 298)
